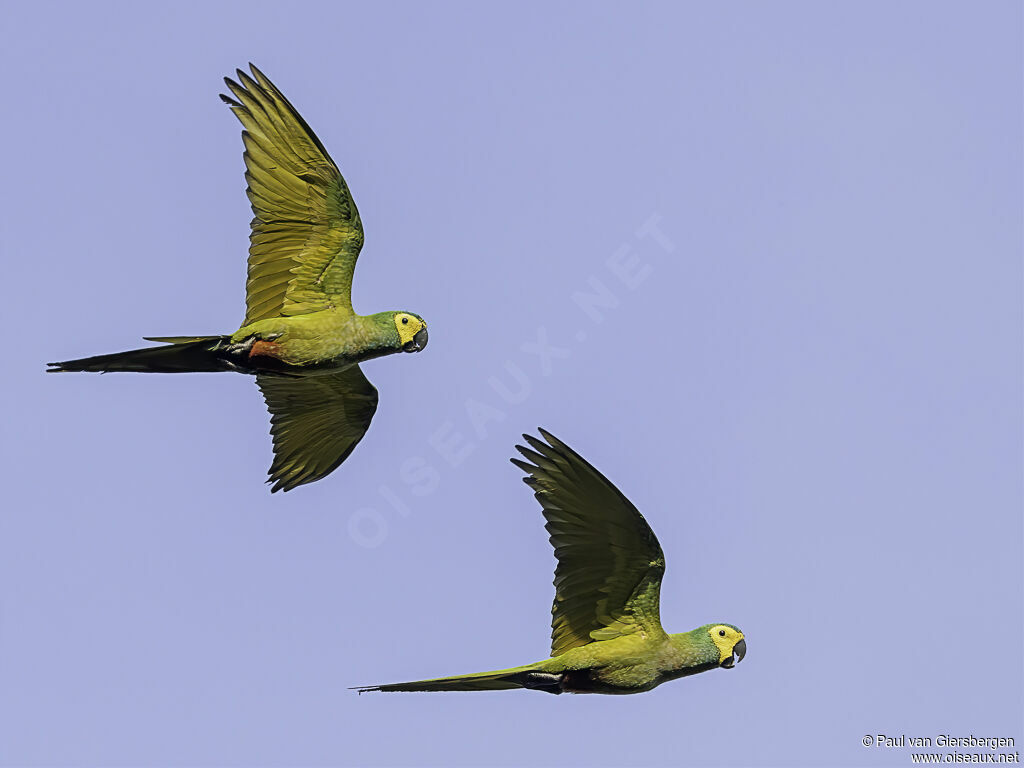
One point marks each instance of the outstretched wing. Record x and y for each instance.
(306, 233)
(315, 421)
(610, 565)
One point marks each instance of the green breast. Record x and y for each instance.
(329, 339)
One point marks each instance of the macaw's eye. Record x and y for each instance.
(721, 633)
(405, 321)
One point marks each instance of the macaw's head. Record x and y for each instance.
(412, 331)
(729, 642)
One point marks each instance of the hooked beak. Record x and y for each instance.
(418, 342)
(738, 652)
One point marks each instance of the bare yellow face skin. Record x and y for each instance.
(408, 326)
(725, 638)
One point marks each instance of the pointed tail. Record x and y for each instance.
(518, 677)
(179, 354)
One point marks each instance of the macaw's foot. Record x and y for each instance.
(254, 346)
(240, 354)
(241, 348)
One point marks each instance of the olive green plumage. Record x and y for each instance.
(300, 336)
(606, 633)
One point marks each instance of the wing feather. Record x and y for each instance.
(316, 422)
(306, 234)
(610, 565)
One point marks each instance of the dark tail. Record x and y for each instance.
(517, 677)
(180, 354)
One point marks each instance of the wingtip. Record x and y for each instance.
(285, 484)
(234, 88)
(248, 81)
(522, 464)
(558, 445)
(523, 450)
(538, 445)
(265, 82)
(526, 439)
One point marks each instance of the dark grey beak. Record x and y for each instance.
(738, 652)
(418, 342)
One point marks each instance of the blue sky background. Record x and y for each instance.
(811, 385)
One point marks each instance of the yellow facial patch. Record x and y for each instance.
(725, 638)
(408, 326)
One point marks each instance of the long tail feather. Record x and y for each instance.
(184, 355)
(519, 677)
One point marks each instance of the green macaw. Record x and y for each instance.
(300, 336)
(606, 634)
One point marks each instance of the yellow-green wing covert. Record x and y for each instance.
(306, 233)
(610, 565)
(315, 421)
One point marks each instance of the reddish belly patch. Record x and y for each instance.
(263, 349)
